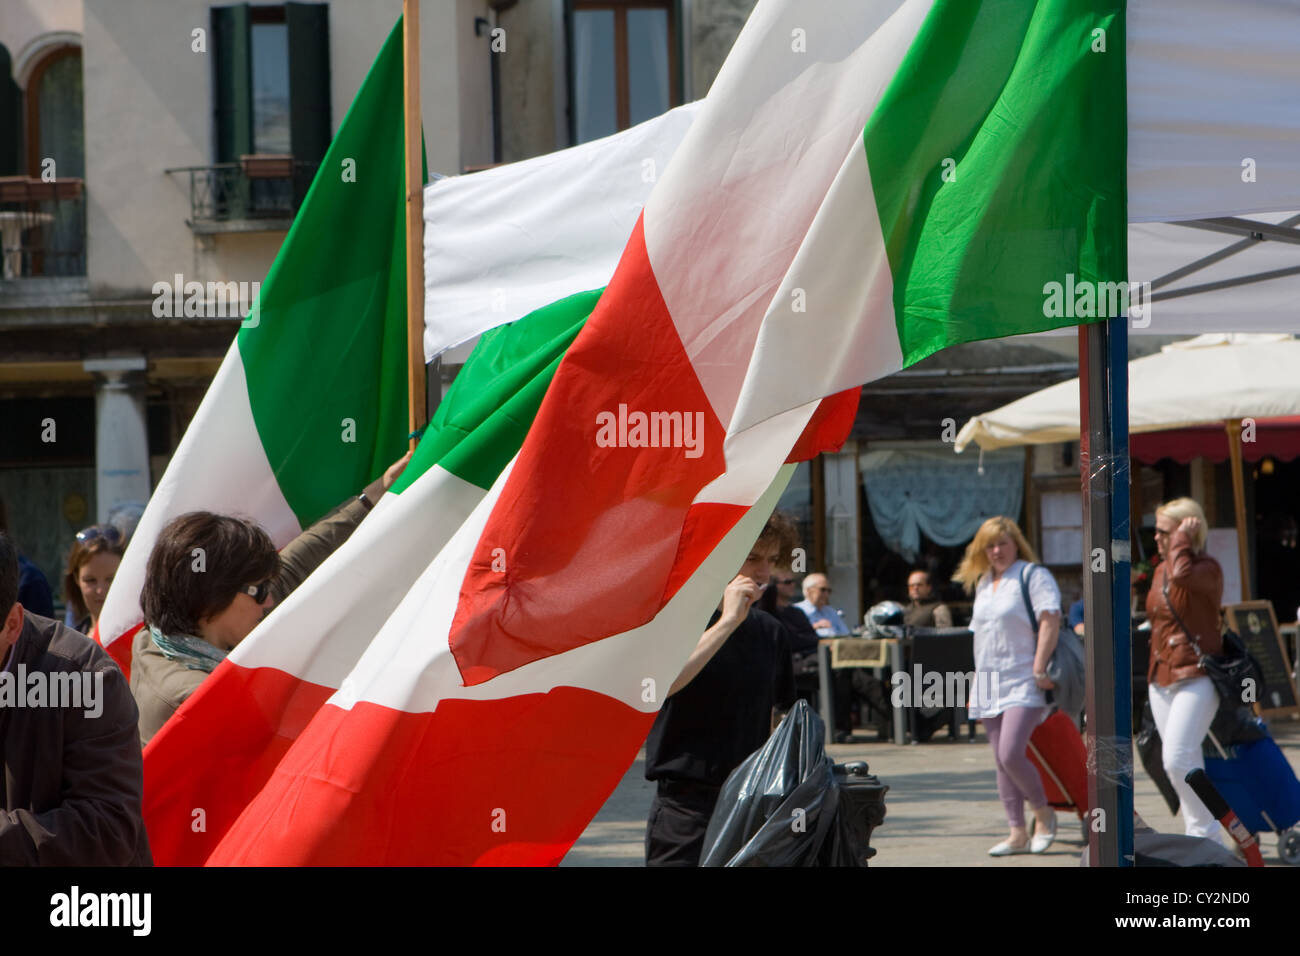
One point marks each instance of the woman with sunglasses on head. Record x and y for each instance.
(1183, 608)
(210, 580)
(92, 563)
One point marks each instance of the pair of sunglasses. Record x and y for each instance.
(258, 592)
(105, 531)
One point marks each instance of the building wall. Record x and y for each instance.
(147, 107)
(714, 26)
(534, 94)
(149, 101)
(473, 80)
(26, 24)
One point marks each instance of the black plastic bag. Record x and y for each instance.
(1174, 849)
(1150, 751)
(781, 807)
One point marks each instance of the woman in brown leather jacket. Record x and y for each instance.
(1183, 698)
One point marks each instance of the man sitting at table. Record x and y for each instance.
(826, 620)
(922, 608)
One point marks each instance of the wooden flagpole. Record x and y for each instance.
(1233, 427)
(418, 400)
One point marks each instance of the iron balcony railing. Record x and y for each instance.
(258, 187)
(42, 227)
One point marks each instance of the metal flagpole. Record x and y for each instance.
(416, 381)
(1104, 467)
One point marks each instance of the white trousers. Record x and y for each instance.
(1183, 714)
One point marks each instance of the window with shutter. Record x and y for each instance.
(272, 109)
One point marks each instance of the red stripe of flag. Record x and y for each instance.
(120, 649)
(471, 783)
(576, 522)
(252, 717)
(628, 514)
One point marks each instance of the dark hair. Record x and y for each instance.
(182, 587)
(8, 576)
(929, 578)
(83, 549)
(784, 533)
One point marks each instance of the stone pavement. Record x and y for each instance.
(942, 808)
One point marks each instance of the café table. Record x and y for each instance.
(836, 653)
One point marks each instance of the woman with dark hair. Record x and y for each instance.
(209, 582)
(92, 563)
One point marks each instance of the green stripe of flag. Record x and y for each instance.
(1017, 103)
(481, 423)
(326, 360)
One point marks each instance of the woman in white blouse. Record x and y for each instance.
(1011, 655)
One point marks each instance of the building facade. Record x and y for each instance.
(149, 144)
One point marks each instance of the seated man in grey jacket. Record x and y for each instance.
(210, 580)
(69, 745)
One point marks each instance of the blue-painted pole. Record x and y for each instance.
(1104, 467)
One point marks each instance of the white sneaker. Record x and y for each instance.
(1039, 844)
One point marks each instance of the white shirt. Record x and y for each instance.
(826, 621)
(1006, 641)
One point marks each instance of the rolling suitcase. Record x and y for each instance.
(1057, 751)
(1262, 790)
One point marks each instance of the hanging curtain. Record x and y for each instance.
(594, 82)
(938, 493)
(647, 64)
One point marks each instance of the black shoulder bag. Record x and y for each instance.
(1230, 669)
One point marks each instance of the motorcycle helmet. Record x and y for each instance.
(884, 620)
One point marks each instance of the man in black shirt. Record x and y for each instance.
(721, 707)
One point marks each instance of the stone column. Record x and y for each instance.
(843, 545)
(121, 438)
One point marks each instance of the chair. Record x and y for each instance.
(944, 650)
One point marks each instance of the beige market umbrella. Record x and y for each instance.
(1217, 377)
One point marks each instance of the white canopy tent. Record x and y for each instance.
(1241, 273)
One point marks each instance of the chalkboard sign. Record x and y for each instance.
(1255, 622)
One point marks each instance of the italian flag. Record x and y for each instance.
(507, 241)
(255, 704)
(864, 185)
(309, 404)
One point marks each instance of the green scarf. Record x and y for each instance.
(194, 652)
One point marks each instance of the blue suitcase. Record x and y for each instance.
(1260, 786)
